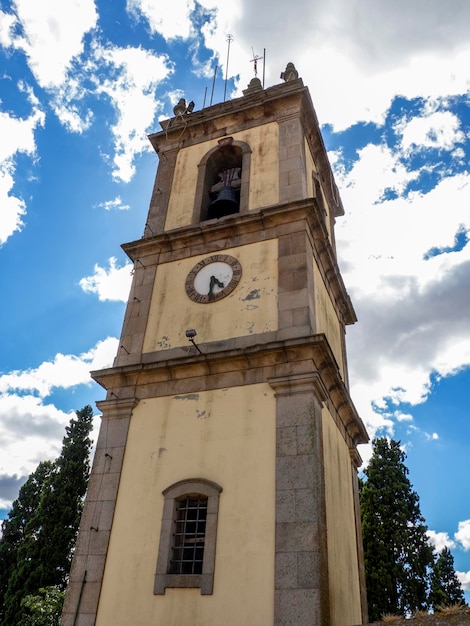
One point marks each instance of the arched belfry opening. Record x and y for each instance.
(226, 192)
(223, 178)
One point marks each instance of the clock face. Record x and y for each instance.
(213, 278)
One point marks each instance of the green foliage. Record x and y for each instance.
(44, 608)
(17, 527)
(40, 532)
(397, 554)
(446, 589)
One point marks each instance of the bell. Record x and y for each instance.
(226, 203)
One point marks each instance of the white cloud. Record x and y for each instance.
(464, 578)
(175, 95)
(17, 137)
(52, 35)
(169, 19)
(18, 134)
(440, 129)
(7, 25)
(135, 76)
(31, 430)
(67, 103)
(53, 41)
(377, 169)
(337, 50)
(113, 283)
(409, 286)
(356, 57)
(403, 417)
(65, 371)
(440, 540)
(405, 229)
(463, 534)
(370, 91)
(110, 205)
(13, 208)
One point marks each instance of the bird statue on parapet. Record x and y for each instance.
(181, 109)
(290, 73)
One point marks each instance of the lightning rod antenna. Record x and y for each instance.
(213, 82)
(229, 41)
(264, 64)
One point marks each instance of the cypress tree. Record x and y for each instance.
(397, 554)
(445, 586)
(14, 528)
(43, 550)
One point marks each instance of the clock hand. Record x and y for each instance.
(213, 282)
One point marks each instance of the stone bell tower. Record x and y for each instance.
(224, 487)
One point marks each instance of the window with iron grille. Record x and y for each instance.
(186, 554)
(189, 536)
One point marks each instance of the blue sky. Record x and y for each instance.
(81, 85)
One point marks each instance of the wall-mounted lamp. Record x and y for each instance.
(190, 334)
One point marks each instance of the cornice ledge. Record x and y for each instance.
(272, 352)
(117, 408)
(218, 229)
(296, 362)
(299, 383)
(356, 458)
(347, 412)
(325, 251)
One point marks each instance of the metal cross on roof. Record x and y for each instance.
(255, 60)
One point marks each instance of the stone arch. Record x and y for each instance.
(228, 155)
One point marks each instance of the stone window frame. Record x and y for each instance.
(180, 489)
(201, 200)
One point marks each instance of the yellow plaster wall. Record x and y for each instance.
(264, 173)
(326, 318)
(264, 170)
(250, 308)
(345, 604)
(183, 190)
(227, 436)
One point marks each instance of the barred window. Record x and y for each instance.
(186, 555)
(189, 536)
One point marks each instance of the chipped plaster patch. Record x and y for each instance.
(253, 295)
(188, 396)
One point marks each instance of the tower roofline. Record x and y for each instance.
(269, 104)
